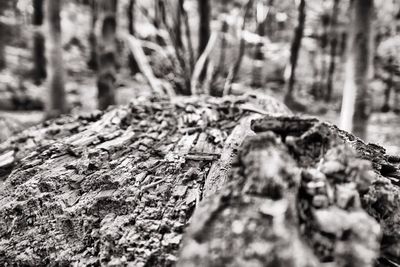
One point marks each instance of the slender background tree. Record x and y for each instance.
(294, 52)
(358, 70)
(3, 6)
(56, 103)
(39, 59)
(107, 53)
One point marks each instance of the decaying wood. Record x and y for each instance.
(120, 187)
(282, 210)
(111, 188)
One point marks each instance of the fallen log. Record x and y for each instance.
(161, 183)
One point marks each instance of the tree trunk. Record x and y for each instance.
(257, 75)
(358, 70)
(119, 188)
(131, 29)
(389, 84)
(204, 8)
(56, 103)
(295, 49)
(131, 16)
(204, 24)
(39, 58)
(2, 38)
(234, 70)
(92, 63)
(334, 36)
(107, 54)
(178, 24)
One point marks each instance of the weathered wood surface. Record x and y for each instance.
(302, 193)
(118, 187)
(121, 187)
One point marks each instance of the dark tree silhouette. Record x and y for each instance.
(39, 58)
(131, 29)
(107, 53)
(92, 63)
(204, 24)
(3, 6)
(295, 49)
(56, 103)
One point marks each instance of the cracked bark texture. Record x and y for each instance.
(116, 187)
(152, 184)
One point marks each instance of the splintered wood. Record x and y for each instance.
(196, 182)
(117, 187)
(286, 205)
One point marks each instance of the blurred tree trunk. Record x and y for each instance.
(159, 13)
(262, 15)
(204, 29)
(358, 70)
(324, 45)
(333, 36)
(107, 53)
(389, 84)
(131, 16)
(295, 49)
(92, 63)
(39, 58)
(270, 20)
(2, 38)
(131, 29)
(178, 24)
(204, 25)
(234, 70)
(188, 35)
(56, 104)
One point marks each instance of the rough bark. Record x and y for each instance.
(39, 58)
(107, 53)
(121, 187)
(56, 102)
(358, 70)
(116, 187)
(295, 49)
(302, 193)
